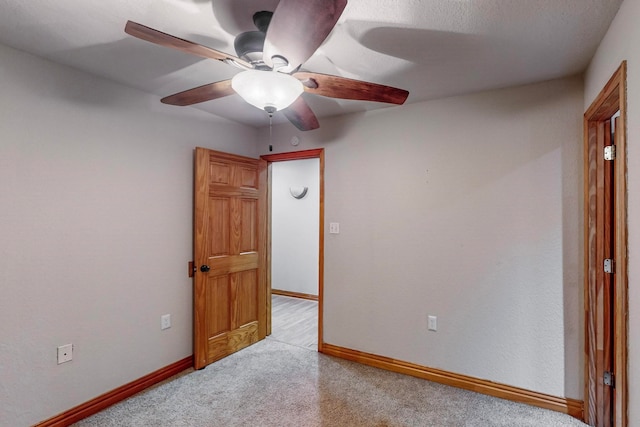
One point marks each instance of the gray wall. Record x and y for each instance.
(467, 208)
(96, 184)
(295, 226)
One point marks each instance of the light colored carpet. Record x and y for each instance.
(276, 384)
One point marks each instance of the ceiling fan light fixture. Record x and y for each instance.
(267, 90)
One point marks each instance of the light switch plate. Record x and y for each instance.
(165, 321)
(433, 323)
(334, 228)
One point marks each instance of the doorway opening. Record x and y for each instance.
(606, 264)
(305, 294)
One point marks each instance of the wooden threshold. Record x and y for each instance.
(294, 294)
(112, 397)
(565, 405)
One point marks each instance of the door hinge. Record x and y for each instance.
(609, 265)
(609, 379)
(610, 152)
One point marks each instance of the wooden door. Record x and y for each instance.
(229, 236)
(604, 289)
(606, 263)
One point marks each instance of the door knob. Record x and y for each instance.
(204, 268)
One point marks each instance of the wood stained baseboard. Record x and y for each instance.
(112, 397)
(294, 294)
(573, 407)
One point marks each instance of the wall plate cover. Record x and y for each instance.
(165, 321)
(65, 353)
(432, 323)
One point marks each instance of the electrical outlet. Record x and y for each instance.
(65, 353)
(432, 323)
(165, 321)
(334, 228)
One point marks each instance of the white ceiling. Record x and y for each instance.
(432, 48)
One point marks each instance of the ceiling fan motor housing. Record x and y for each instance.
(262, 20)
(250, 44)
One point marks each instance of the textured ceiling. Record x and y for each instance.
(432, 48)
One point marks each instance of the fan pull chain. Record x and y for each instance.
(270, 128)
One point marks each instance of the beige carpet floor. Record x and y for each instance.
(276, 384)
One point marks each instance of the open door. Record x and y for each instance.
(230, 291)
(606, 263)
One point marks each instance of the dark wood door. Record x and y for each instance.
(229, 236)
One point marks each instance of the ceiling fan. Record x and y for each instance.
(271, 58)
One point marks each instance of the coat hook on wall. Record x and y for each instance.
(298, 192)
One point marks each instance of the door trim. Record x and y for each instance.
(299, 155)
(611, 99)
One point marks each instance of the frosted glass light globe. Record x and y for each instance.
(267, 90)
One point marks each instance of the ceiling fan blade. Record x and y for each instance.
(301, 115)
(344, 88)
(298, 28)
(200, 94)
(163, 39)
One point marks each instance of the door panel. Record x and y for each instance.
(248, 233)
(218, 320)
(229, 295)
(219, 213)
(246, 294)
(604, 245)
